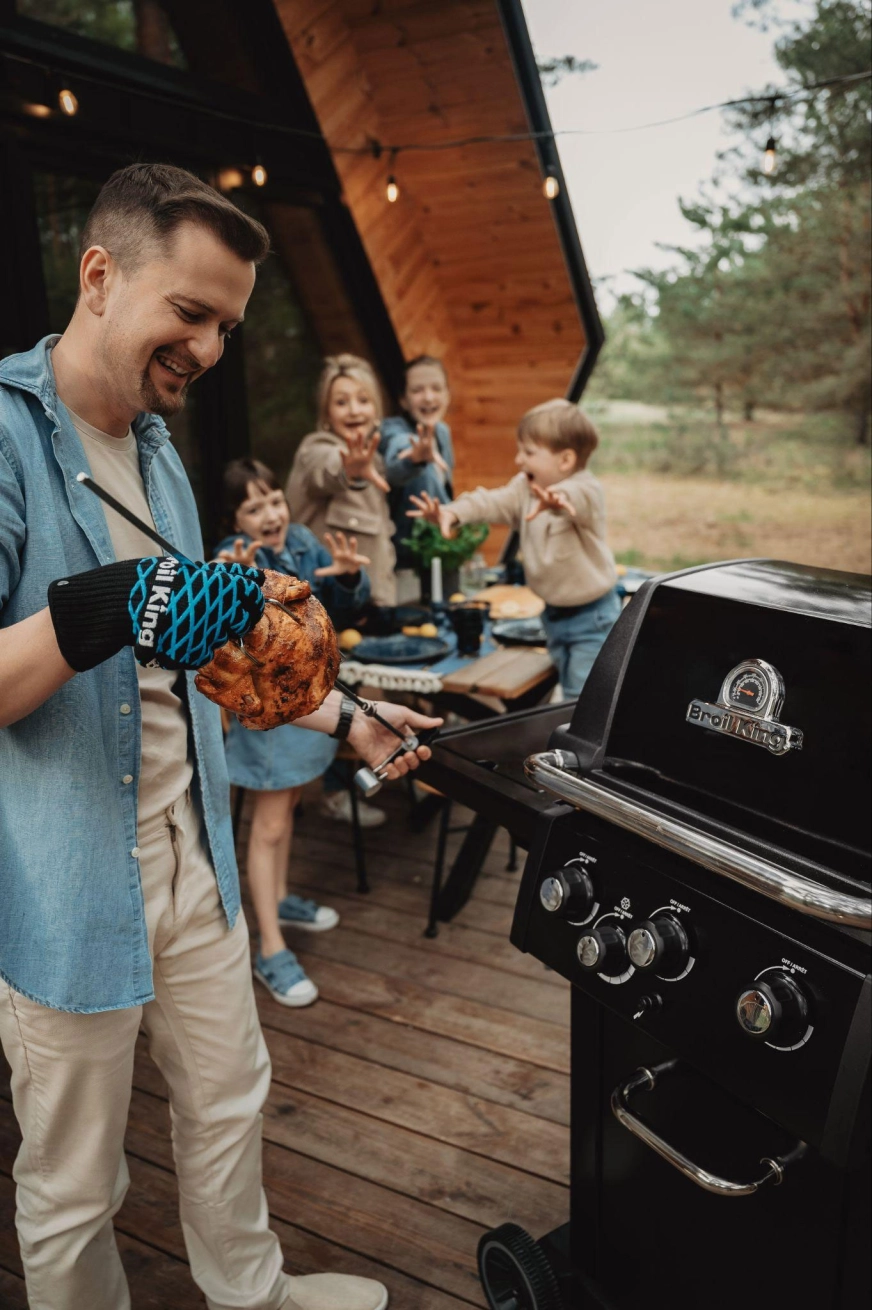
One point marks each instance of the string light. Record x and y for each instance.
(67, 102)
(769, 157)
(392, 191)
(259, 174)
(229, 179)
(551, 187)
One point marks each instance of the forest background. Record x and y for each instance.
(733, 392)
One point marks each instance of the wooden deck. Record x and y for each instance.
(421, 1100)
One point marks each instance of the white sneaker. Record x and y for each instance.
(336, 1292)
(337, 805)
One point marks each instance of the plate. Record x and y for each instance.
(400, 649)
(508, 602)
(519, 632)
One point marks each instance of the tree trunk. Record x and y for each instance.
(719, 404)
(862, 428)
(152, 31)
(748, 411)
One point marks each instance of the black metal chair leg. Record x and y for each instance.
(432, 929)
(512, 866)
(357, 838)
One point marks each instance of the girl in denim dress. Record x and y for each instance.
(275, 765)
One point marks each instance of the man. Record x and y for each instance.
(117, 873)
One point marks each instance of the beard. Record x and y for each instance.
(154, 402)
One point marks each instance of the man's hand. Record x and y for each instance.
(346, 559)
(240, 554)
(433, 511)
(358, 459)
(556, 501)
(424, 449)
(374, 743)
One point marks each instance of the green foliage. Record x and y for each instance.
(114, 22)
(427, 543)
(770, 304)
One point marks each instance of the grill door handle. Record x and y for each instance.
(551, 771)
(645, 1080)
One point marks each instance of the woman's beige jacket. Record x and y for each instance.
(321, 496)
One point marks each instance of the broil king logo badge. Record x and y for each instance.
(748, 708)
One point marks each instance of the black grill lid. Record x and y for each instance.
(676, 643)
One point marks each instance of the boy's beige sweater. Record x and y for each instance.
(566, 559)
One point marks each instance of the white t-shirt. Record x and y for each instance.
(166, 769)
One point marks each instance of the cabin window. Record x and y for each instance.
(138, 26)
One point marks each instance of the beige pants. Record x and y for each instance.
(71, 1080)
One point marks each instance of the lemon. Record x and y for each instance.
(458, 596)
(349, 639)
(410, 631)
(428, 630)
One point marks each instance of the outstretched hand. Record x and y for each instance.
(433, 511)
(345, 556)
(424, 449)
(240, 554)
(374, 743)
(545, 498)
(358, 459)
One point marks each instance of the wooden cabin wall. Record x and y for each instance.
(468, 259)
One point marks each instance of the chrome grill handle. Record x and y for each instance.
(645, 1080)
(552, 771)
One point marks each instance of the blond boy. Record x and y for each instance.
(558, 508)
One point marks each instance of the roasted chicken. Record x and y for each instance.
(286, 665)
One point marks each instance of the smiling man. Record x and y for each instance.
(117, 873)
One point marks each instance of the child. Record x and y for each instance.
(558, 508)
(337, 479)
(275, 765)
(416, 446)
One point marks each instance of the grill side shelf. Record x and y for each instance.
(552, 770)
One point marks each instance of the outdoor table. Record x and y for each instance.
(516, 677)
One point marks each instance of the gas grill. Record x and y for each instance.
(702, 878)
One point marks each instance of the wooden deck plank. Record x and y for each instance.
(455, 941)
(530, 998)
(497, 1078)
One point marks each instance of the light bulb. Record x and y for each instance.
(769, 157)
(551, 187)
(259, 175)
(230, 178)
(68, 103)
(392, 191)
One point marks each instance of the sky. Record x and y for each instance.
(657, 58)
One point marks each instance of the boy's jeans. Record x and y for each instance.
(71, 1077)
(575, 636)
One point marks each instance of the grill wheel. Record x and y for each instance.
(515, 1272)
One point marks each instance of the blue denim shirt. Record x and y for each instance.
(72, 923)
(300, 556)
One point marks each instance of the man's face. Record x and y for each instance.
(166, 323)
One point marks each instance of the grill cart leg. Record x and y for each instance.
(357, 838)
(515, 1272)
(432, 929)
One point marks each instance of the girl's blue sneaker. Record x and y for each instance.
(285, 979)
(307, 914)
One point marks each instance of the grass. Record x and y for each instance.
(679, 492)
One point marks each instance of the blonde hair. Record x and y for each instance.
(560, 425)
(346, 366)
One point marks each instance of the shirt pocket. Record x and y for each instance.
(353, 518)
(562, 539)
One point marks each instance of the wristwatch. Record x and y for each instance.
(346, 714)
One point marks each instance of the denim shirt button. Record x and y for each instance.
(128, 777)
(125, 708)
(135, 852)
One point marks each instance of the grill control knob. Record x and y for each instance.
(660, 945)
(773, 1009)
(569, 893)
(603, 950)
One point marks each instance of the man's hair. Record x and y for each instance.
(146, 203)
(346, 366)
(560, 425)
(425, 359)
